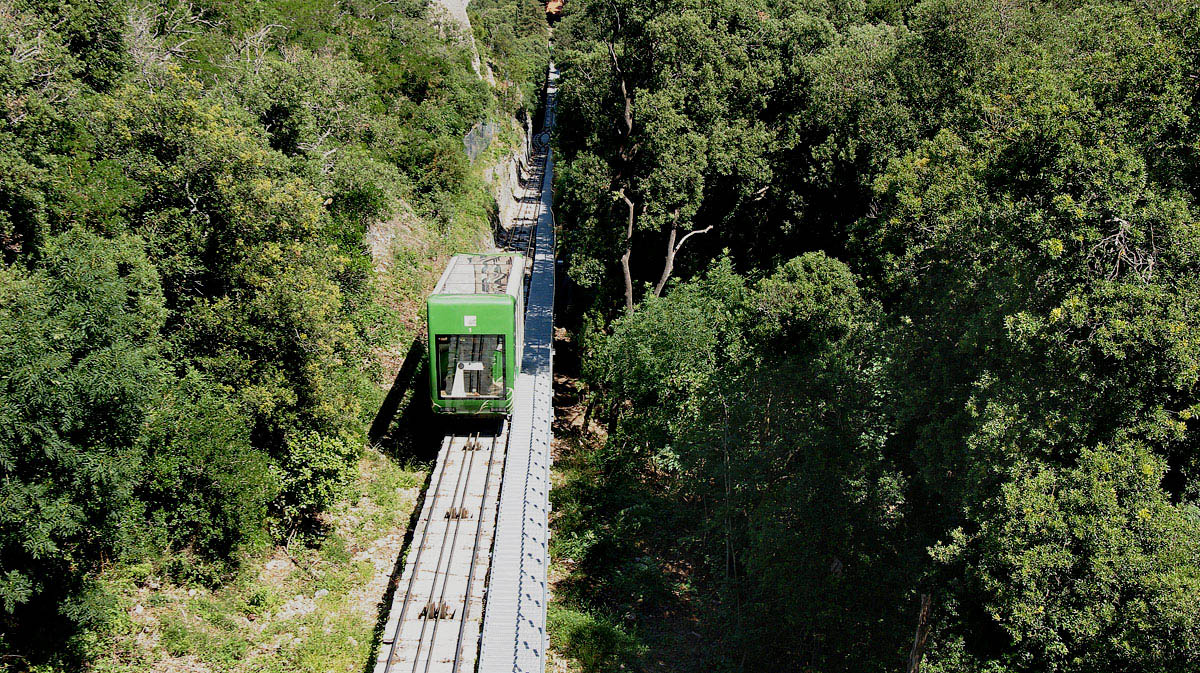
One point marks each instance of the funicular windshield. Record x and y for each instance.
(470, 366)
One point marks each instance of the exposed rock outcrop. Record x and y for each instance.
(454, 13)
(405, 230)
(506, 176)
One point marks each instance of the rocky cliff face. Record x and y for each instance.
(454, 16)
(506, 175)
(385, 238)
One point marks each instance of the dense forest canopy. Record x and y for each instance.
(893, 319)
(188, 312)
(889, 309)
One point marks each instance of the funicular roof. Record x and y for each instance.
(480, 274)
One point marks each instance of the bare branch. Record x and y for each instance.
(628, 277)
(253, 46)
(691, 234)
(673, 249)
(158, 36)
(1115, 254)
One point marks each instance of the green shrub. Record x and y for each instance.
(80, 351)
(595, 643)
(315, 471)
(205, 487)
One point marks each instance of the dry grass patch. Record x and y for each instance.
(290, 609)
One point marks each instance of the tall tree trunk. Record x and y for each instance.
(730, 552)
(918, 648)
(673, 249)
(628, 251)
(625, 155)
(668, 261)
(627, 130)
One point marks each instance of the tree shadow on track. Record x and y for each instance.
(405, 427)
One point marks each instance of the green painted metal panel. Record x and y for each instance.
(473, 352)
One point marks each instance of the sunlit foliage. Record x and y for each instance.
(989, 403)
(186, 299)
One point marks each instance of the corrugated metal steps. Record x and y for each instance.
(514, 627)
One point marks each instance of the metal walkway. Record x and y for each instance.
(490, 491)
(514, 624)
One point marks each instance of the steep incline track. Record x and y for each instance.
(434, 621)
(484, 519)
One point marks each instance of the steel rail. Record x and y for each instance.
(538, 173)
(462, 623)
(450, 560)
(531, 242)
(510, 233)
(441, 600)
(437, 568)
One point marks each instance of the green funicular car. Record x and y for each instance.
(476, 320)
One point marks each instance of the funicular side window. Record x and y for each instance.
(470, 366)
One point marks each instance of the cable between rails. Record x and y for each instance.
(462, 624)
(456, 502)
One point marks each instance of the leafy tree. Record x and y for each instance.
(205, 488)
(993, 416)
(788, 451)
(670, 94)
(1085, 568)
(83, 361)
(762, 406)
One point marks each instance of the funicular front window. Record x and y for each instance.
(470, 366)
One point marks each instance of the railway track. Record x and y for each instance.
(518, 236)
(435, 626)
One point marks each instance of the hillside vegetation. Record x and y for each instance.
(190, 321)
(891, 312)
